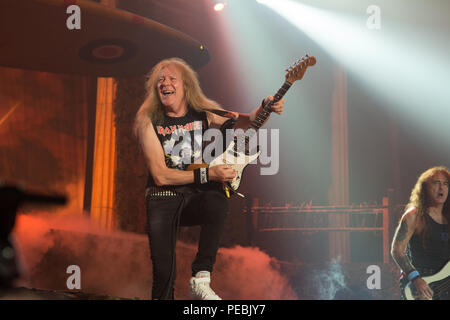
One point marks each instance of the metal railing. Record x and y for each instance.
(369, 218)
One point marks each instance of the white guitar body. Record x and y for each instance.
(238, 160)
(442, 274)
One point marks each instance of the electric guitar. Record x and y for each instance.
(238, 154)
(438, 282)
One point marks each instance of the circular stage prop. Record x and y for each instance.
(42, 35)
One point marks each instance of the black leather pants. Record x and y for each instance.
(164, 216)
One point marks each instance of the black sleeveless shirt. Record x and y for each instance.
(433, 252)
(182, 142)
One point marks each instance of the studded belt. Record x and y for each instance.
(160, 192)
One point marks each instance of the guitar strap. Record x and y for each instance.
(226, 113)
(223, 113)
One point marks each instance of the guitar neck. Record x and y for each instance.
(266, 109)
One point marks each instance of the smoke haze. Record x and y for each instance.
(118, 264)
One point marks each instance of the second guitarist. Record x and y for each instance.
(421, 242)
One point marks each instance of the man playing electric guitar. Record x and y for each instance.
(421, 242)
(170, 126)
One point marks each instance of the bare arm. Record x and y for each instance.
(245, 119)
(403, 234)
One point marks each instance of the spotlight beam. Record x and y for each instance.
(408, 78)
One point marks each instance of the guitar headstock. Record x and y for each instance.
(297, 70)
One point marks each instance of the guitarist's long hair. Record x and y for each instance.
(152, 109)
(419, 201)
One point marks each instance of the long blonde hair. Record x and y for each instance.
(152, 109)
(419, 198)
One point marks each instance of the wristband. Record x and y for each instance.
(413, 274)
(201, 175)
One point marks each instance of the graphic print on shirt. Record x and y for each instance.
(182, 144)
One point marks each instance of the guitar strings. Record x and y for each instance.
(261, 117)
(441, 286)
